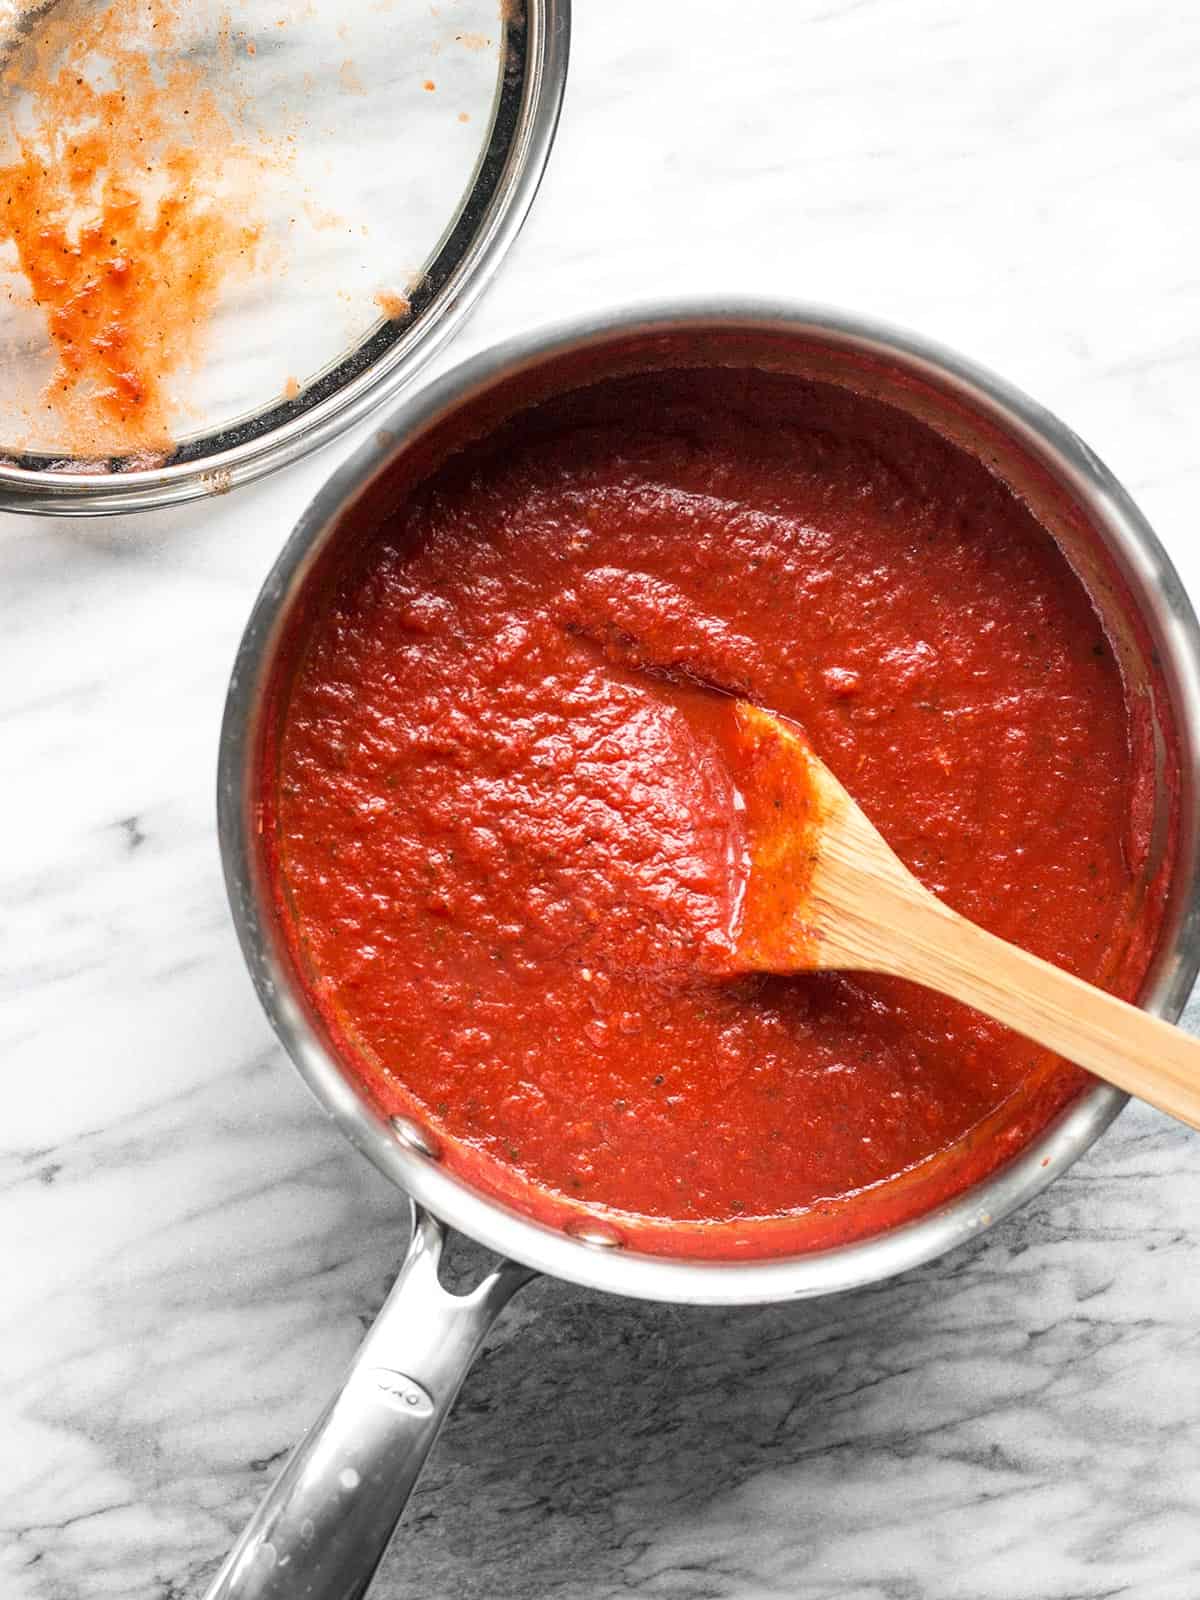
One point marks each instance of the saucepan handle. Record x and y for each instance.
(325, 1524)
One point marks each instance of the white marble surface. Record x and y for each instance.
(190, 1254)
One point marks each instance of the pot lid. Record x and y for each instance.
(226, 234)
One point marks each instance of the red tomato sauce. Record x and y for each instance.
(509, 847)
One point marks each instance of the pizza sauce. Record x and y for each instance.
(510, 851)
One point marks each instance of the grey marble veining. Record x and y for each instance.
(190, 1253)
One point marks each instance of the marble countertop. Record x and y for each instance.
(190, 1253)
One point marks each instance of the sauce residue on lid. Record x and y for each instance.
(123, 203)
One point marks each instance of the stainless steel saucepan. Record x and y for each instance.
(327, 1520)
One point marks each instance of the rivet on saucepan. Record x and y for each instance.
(597, 1234)
(416, 1137)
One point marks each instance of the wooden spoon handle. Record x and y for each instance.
(1139, 1053)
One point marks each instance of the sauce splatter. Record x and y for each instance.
(348, 77)
(395, 307)
(123, 207)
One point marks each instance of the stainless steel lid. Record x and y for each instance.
(387, 154)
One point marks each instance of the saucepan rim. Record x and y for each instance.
(589, 1257)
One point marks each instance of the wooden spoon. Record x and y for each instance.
(824, 891)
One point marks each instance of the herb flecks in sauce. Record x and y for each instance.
(489, 720)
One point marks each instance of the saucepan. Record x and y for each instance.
(328, 1518)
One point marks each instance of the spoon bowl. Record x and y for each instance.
(825, 891)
